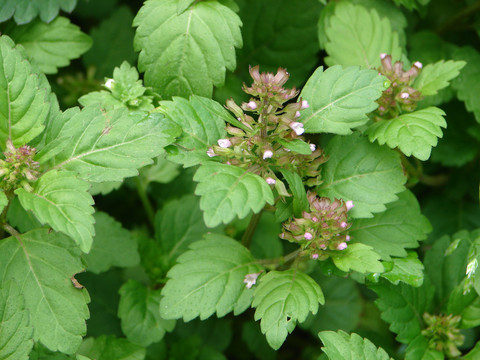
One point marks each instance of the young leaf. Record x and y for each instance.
(366, 173)
(188, 53)
(339, 99)
(408, 270)
(471, 315)
(60, 199)
(282, 299)
(300, 201)
(341, 346)
(419, 349)
(52, 45)
(109, 347)
(358, 257)
(139, 310)
(357, 36)
(43, 263)
(208, 279)
(399, 227)
(413, 133)
(23, 98)
(112, 246)
(437, 76)
(228, 191)
(16, 332)
(109, 146)
(24, 11)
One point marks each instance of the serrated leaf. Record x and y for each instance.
(357, 36)
(401, 226)
(109, 347)
(471, 315)
(3, 200)
(208, 279)
(437, 76)
(340, 98)
(474, 353)
(300, 201)
(282, 299)
(188, 53)
(203, 123)
(363, 172)
(43, 264)
(357, 257)
(341, 346)
(296, 145)
(16, 332)
(419, 349)
(112, 246)
(408, 270)
(139, 310)
(23, 98)
(23, 11)
(62, 200)
(52, 45)
(228, 191)
(413, 133)
(109, 146)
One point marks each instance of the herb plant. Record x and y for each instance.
(241, 179)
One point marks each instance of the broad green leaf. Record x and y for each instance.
(402, 306)
(228, 191)
(203, 123)
(296, 145)
(112, 43)
(340, 98)
(109, 347)
(342, 346)
(471, 315)
(358, 257)
(16, 332)
(20, 218)
(300, 201)
(188, 53)
(161, 171)
(139, 310)
(282, 299)
(61, 200)
(23, 11)
(52, 45)
(208, 279)
(357, 36)
(42, 263)
(265, 241)
(366, 173)
(419, 349)
(183, 5)
(401, 226)
(109, 146)
(437, 76)
(408, 270)
(112, 246)
(3, 200)
(413, 133)
(467, 84)
(23, 98)
(474, 353)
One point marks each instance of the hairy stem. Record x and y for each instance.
(147, 205)
(252, 226)
(281, 260)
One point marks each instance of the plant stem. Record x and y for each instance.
(458, 18)
(147, 205)
(281, 260)
(252, 226)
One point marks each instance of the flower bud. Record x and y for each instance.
(347, 238)
(250, 279)
(418, 64)
(224, 143)
(297, 127)
(252, 105)
(349, 205)
(270, 181)
(314, 256)
(305, 104)
(211, 152)
(109, 83)
(297, 114)
(342, 246)
(343, 225)
(267, 154)
(308, 236)
(313, 147)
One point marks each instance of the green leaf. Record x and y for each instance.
(471, 315)
(408, 270)
(109, 348)
(203, 123)
(282, 299)
(474, 353)
(296, 145)
(52, 45)
(23, 11)
(357, 36)
(366, 173)
(112, 246)
(401, 226)
(62, 200)
(20, 218)
(208, 279)
(16, 332)
(139, 310)
(300, 201)
(23, 98)
(341, 346)
(339, 99)
(161, 171)
(437, 76)
(183, 5)
(43, 264)
(265, 241)
(358, 257)
(419, 349)
(109, 146)
(413, 133)
(188, 53)
(228, 191)
(3, 200)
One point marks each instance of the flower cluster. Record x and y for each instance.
(322, 230)
(400, 96)
(443, 333)
(18, 168)
(266, 129)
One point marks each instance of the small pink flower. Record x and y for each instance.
(305, 104)
(343, 224)
(342, 246)
(250, 279)
(297, 127)
(270, 181)
(349, 205)
(404, 95)
(252, 105)
(109, 83)
(314, 219)
(211, 152)
(323, 246)
(347, 237)
(383, 56)
(267, 154)
(314, 256)
(418, 64)
(313, 147)
(297, 114)
(308, 236)
(224, 143)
